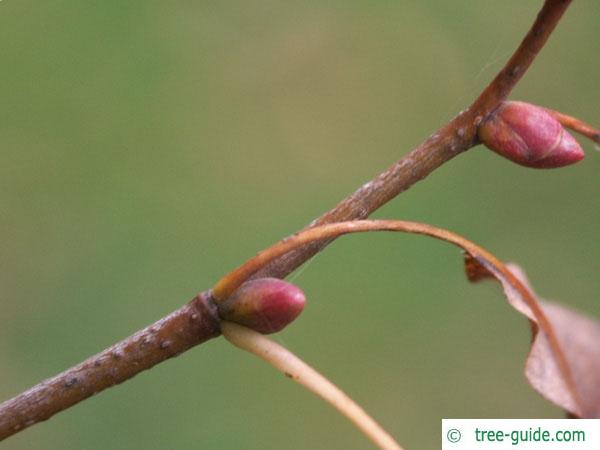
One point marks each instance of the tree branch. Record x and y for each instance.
(459, 135)
(198, 320)
(190, 325)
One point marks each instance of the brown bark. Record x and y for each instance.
(454, 138)
(190, 325)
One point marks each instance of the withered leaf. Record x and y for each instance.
(564, 359)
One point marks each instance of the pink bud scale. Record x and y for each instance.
(266, 305)
(528, 135)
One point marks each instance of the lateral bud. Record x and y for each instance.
(266, 305)
(528, 135)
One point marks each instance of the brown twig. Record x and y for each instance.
(197, 321)
(459, 135)
(192, 324)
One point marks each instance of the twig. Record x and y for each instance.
(457, 136)
(296, 369)
(196, 322)
(190, 325)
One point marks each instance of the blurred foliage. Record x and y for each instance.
(149, 147)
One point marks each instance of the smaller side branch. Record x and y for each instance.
(457, 136)
(296, 369)
(195, 322)
(501, 86)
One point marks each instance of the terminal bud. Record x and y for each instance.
(528, 135)
(266, 305)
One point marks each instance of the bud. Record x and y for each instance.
(528, 135)
(266, 305)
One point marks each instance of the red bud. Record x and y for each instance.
(530, 136)
(266, 305)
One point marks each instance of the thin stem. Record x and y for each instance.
(454, 138)
(234, 279)
(296, 369)
(577, 125)
(500, 88)
(230, 282)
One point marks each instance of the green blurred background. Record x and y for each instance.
(149, 147)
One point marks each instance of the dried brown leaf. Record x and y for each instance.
(564, 359)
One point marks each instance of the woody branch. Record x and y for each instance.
(198, 321)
